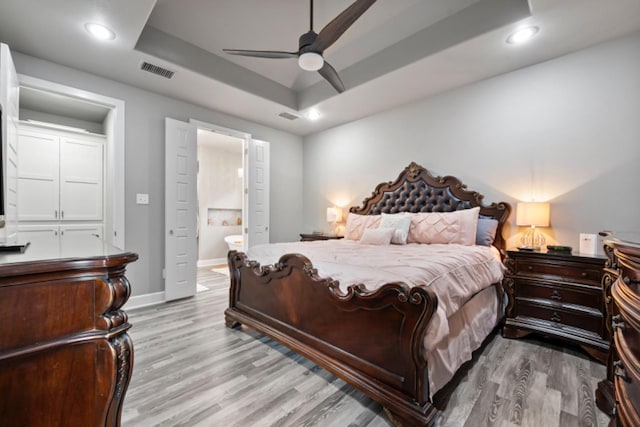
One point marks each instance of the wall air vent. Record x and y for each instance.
(288, 116)
(155, 69)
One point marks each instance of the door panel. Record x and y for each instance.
(258, 193)
(180, 210)
(81, 179)
(38, 177)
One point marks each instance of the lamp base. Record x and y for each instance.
(532, 239)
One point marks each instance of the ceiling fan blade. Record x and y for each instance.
(334, 29)
(274, 54)
(331, 75)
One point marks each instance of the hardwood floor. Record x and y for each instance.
(190, 370)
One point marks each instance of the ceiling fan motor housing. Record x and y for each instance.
(306, 40)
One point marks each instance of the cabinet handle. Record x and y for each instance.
(617, 322)
(62, 214)
(619, 371)
(555, 295)
(56, 214)
(555, 317)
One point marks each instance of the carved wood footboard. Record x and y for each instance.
(372, 340)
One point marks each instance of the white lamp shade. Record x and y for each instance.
(533, 213)
(310, 61)
(334, 214)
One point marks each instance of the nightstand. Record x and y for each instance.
(310, 237)
(558, 295)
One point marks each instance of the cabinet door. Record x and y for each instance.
(38, 182)
(26, 232)
(81, 179)
(81, 230)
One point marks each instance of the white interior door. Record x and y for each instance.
(181, 250)
(258, 193)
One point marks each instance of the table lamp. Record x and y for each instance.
(334, 215)
(532, 214)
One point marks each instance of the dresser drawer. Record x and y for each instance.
(563, 294)
(559, 271)
(588, 321)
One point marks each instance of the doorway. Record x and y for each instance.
(220, 196)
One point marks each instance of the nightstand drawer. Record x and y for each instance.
(561, 294)
(591, 322)
(559, 271)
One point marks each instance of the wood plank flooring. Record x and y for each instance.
(190, 370)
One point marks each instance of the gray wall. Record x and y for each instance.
(566, 130)
(144, 171)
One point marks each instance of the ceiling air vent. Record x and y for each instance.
(288, 116)
(155, 69)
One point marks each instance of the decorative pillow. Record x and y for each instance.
(400, 224)
(486, 232)
(444, 227)
(356, 224)
(377, 236)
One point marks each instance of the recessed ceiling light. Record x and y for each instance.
(313, 115)
(99, 31)
(522, 35)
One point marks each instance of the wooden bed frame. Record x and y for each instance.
(291, 304)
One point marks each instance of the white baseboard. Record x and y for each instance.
(212, 261)
(145, 300)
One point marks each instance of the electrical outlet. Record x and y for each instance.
(142, 199)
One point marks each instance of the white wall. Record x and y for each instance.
(567, 131)
(219, 187)
(144, 171)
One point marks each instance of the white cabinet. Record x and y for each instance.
(60, 181)
(60, 177)
(52, 229)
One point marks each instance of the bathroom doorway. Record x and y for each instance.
(221, 198)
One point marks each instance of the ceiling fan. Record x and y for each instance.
(311, 45)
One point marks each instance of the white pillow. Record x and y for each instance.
(356, 224)
(400, 224)
(444, 227)
(377, 236)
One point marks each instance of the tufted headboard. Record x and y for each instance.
(416, 190)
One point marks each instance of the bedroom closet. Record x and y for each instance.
(220, 196)
(62, 155)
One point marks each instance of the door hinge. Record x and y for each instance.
(246, 191)
(246, 230)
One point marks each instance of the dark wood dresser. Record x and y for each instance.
(65, 355)
(619, 394)
(558, 295)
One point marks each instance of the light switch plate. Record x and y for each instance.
(142, 199)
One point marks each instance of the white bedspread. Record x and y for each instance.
(455, 273)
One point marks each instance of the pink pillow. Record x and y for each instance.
(444, 227)
(356, 224)
(377, 236)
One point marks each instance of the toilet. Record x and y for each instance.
(235, 242)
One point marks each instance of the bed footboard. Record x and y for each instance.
(372, 340)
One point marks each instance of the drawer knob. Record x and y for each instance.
(617, 322)
(555, 295)
(584, 274)
(619, 371)
(530, 267)
(555, 317)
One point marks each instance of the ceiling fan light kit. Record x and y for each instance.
(312, 45)
(310, 61)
